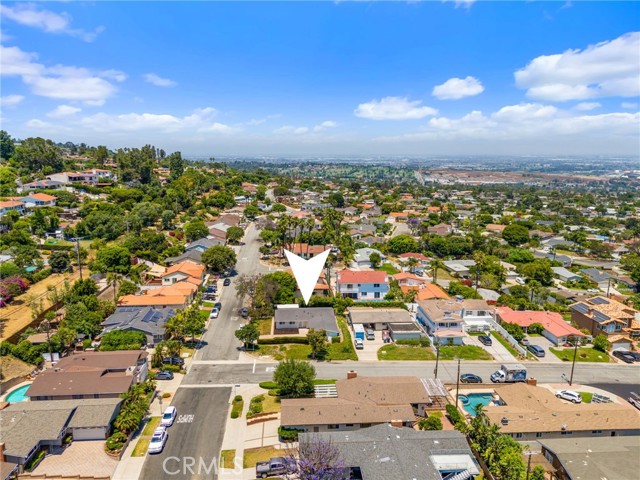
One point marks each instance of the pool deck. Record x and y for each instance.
(13, 389)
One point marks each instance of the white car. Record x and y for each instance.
(158, 440)
(214, 313)
(569, 395)
(168, 416)
(359, 344)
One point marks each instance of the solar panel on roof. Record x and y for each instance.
(599, 301)
(600, 317)
(581, 307)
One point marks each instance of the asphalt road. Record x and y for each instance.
(194, 438)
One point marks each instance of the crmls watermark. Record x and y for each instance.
(197, 466)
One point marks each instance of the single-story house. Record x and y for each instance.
(378, 318)
(555, 328)
(362, 255)
(404, 331)
(291, 319)
(460, 268)
(148, 320)
(602, 279)
(565, 275)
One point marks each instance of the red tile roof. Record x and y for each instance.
(419, 256)
(350, 276)
(551, 321)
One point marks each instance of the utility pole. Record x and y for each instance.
(477, 275)
(437, 344)
(458, 383)
(529, 454)
(608, 286)
(573, 365)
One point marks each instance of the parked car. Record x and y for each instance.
(244, 312)
(371, 335)
(359, 344)
(158, 440)
(593, 290)
(569, 395)
(536, 350)
(173, 361)
(164, 375)
(218, 305)
(209, 296)
(524, 342)
(520, 280)
(212, 289)
(470, 378)
(214, 313)
(485, 339)
(227, 282)
(635, 355)
(624, 356)
(275, 466)
(168, 416)
(634, 399)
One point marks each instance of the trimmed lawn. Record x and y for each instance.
(390, 269)
(141, 447)
(298, 351)
(226, 458)
(271, 404)
(585, 354)
(324, 381)
(259, 454)
(405, 352)
(264, 325)
(505, 344)
(208, 304)
(586, 396)
(345, 349)
(236, 407)
(204, 314)
(152, 424)
(464, 352)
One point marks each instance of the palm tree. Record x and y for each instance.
(113, 279)
(436, 264)
(413, 262)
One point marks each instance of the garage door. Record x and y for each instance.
(88, 433)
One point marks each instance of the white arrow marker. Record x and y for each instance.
(307, 272)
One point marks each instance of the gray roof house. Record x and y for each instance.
(361, 258)
(565, 275)
(148, 320)
(203, 244)
(384, 452)
(597, 276)
(291, 318)
(191, 255)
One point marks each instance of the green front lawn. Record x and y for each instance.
(586, 396)
(405, 352)
(140, 450)
(585, 354)
(151, 425)
(227, 457)
(505, 344)
(464, 352)
(208, 304)
(259, 454)
(387, 267)
(264, 325)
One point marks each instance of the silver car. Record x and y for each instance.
(569, 395)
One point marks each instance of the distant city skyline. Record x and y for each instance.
(325, 78)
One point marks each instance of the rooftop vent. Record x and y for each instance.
(504, 421)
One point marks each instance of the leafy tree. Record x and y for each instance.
(336, 200)
(402, 244)
(515, 234)
(127, 288)
(195, 230)
(318, 342)
(457, 288)
(430, 423)
(601, 343)
(219, 258)
(539, 270)
(148, 213)
(375, 259)
(520, 255)
(122, 340)
(38, 155)
(193, 322)
(101, 154)
(251, 212)
(7, 146)
(7, 181)
(59, 261)
(166, 218)
(148, 244)
(315, 458)
(234, 234)
(278, 208)
(176, 165)
(538, 473)
(113, 259)
(294, 378)
(248, 333)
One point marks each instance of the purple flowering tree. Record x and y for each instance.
(316, 458)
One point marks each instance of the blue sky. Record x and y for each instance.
(317, 78)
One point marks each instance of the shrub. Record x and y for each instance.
(235, 414)
(172, 368)
(430, 423)
(535, 328)
(116, 441)
(166, 395)
(282, 340)
(454, 414)
(601, 343)
(274, 392)
(422, 342)
(335, 339)
(237, 398)
(268, 385)
(288, 434)
(41, 275)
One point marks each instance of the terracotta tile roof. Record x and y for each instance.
(152, 300)
(492, 227)
(407, 276)
(430, 291)
(551, 321)
(301, 248)
(419, 256)
(351, 276)
(187, 267)
(11, 203)
(42, 197)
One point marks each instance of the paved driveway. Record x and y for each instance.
(371, 347)
(74, 460)
(545, 343)
(499, 352)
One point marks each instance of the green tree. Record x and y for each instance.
(234, 234)
(538, 473)
(515, 234)
(539, 270)
(7, 146)
(166, 218)
(251, 212)
(402, 244)
(336, 200)
(430, 423)
(294, 378)
(127, 288)
(112, 259)
(176, 165)
(7, 181)
(59, 261)
(318, 342)
(101, 154)
(219, 258)
(375, 259)
(436, 265)
(38, 155)
(601, 343)
(248, 334)
(195, 230)
(122, 340)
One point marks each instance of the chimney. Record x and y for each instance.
(2, 457)
(351, 374)
(396, 423)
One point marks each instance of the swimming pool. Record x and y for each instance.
(470, 401)
(18, 395)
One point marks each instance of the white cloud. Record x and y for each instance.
(286, 129)
(461, 3)
(607, 69)
(587, 106)
(393, 108)
(27, 14)
(60, 81)
(457, 88)
(11, 100)
(525, 112)
(325, 125)
(63, 111)
(154, 79)
(629, 105)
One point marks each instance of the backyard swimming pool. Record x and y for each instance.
(18, 395)
(471, 400)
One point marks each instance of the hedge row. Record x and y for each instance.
(55, 246)
(282, 340)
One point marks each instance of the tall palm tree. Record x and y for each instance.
(113, 279)
(412, 262)
(436, 264)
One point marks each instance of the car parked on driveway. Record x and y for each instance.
(158, 440)
(359, 344)
(244, 312)
(569, 395)
(470, 378)
(173, 361)
(485, 340)
(164, 375)
(536, 350)
(624, 356)
(524, 342)
(168, 416)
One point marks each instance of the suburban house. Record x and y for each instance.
(443, 320)
(74, 177)
(565, 275)
(187, 271)
(290, 319)
(322, 288)
(361, 258)
(194, 256)
(378, 318)
(363, 286)
(202, 245)
(592, 458)
(442, 229)
(528, 412)
(28, 427)
(90, 375)
(598, 277)
(606, 315)
(148, 320)
(38, 200)
(424, 260)
(459, 268)
(178, 295)
(101, 173)
(555, 328)
(409, 279)
(365, 401)
(12, 206)
(40, 185)
(307, 251)
(384, 452)
(427, 291)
